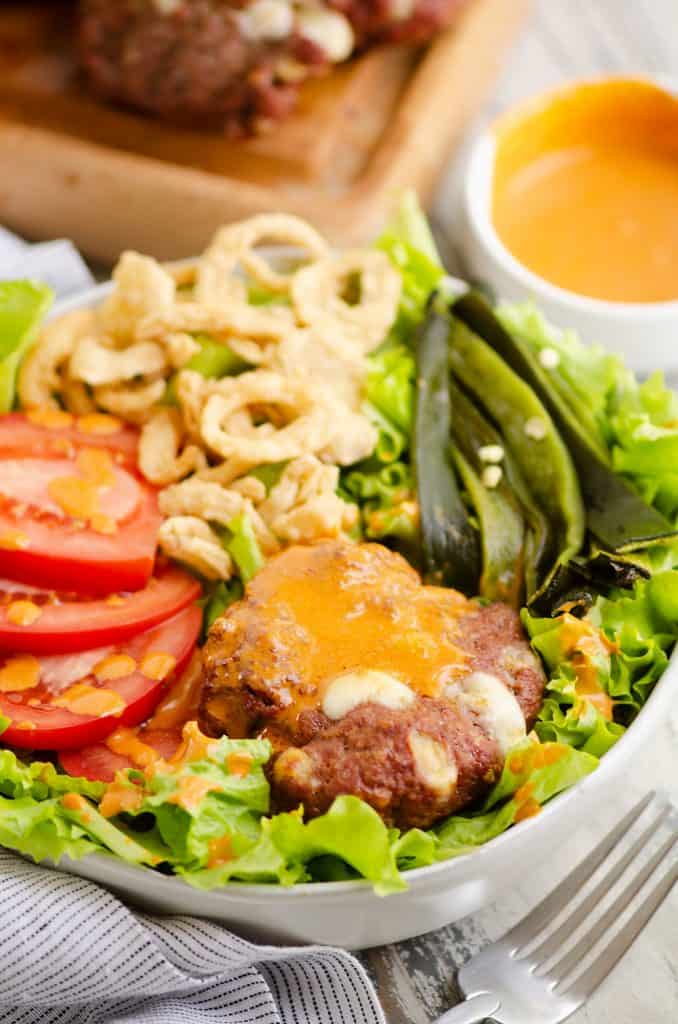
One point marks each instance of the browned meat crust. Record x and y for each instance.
(368, 754)
(190, 62)
(317, 613)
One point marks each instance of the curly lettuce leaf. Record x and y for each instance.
(23, 306)
(637, 631)
(33, 819)
(408, 242)
(637, 422)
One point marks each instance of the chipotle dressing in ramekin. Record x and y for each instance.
(585, 190)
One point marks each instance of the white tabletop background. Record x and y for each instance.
(564, 39)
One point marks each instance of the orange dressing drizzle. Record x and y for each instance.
(180, 703)
(23, 613)
(220, 851)
(120, 797)
(114, 666)
(14, 540)
(157, 665)
(54, 419)
(126, 742)
(527, 810)
(20, 673)
(583, 642)
(99, 423)
(76, 497)
(83, 699)
(191, 791)
(239, 764)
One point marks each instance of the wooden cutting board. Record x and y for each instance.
(110, 179)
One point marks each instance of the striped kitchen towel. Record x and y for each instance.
(72, 953)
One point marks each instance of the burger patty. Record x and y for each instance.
(368, 683)
(235, 64)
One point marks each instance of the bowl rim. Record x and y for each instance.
(265, 891)
(476, 201)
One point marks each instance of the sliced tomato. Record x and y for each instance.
(100, 764)
(37, 722)
(51, 433)
(68, 522)
(57, 623)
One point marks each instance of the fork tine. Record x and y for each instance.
(587, 982)
(544, 913)
(569, 961)
(552, 944)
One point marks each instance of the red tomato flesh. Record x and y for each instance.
(37, 723)
(75, 515)
(100, 764)
(65, 623)
(53, 433)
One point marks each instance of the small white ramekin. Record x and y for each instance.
(646, 334)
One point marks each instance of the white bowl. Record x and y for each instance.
(349, 914)
(645, 333)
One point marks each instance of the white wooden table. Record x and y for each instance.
(564, 39)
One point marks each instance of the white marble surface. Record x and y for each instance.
(565, 39)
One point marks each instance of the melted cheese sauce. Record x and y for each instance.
(585, 190)
(340, 615)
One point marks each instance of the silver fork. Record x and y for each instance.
(531, 976)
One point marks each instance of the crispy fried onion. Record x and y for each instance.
(262, 324)
(304, 505)
(210, 501)
(45, 369)
(235, 248)
(133, 402)
(141, 286)
(293, 422)
(96, 362)
(162, 459)
(192, 541)
(361, 321)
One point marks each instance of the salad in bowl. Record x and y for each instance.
(316, 566)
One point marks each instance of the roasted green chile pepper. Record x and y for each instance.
(499, 513)
(533, 441)
(616, 514)
(449, 541)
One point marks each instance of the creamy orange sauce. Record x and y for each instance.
(180, 703)
(14, 540)
(220, 851)
(53, 419)
(584, 643)
(99, 423)
(126, 742)
(23, 613)
(103, 524)
(585, 190)
(239, 764)
(120, 797)
(191, 791)
(346, 615)
(75, 496)
(83, 699)
(195, 746)
(96, 465)
(156, 665)
(114, 666)
(19, 673)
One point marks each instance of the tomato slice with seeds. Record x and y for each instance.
(75, 515)
(38, 621)
(62, 702)
(99, 763)
(52, 432)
